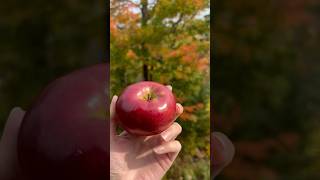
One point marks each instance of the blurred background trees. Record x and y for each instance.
(168, 42)
(42, 40)
(266, 86)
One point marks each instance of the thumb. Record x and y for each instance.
(112, 117)
(222, 151)
(11, 130)
(8, 145)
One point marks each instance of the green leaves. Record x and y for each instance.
(174, 46)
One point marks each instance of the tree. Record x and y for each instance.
(168, 42)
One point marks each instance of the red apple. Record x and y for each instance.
(64, 136)
(145, 108)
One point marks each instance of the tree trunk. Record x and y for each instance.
(145, 72)
(144, 19)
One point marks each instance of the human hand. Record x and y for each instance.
(9, 167)
(142, 158)
(222, 152)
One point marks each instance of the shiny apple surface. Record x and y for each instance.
(145, 108)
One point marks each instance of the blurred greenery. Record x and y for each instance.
(267, 87)
(42, 40)
(168, 43)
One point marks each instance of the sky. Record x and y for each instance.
(199, 16)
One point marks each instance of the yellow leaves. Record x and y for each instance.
(181, 75)
(164, 79)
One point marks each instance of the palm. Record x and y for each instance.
(142, 158)
(134, 156)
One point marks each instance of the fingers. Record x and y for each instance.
(168, 147)
(223, 152)
(124, 133)
(179, 107)
(171, 146)
(112, 117)
(169, 87)
(12, 126)
(179, 110)
(167, 135)
(171, 133)
(8, 145)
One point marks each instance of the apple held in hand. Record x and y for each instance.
(146, 108)
(64, 136)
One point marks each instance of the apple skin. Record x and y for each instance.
(65, 134)
(141, 116)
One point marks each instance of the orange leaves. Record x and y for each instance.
(113, 26)
(172, 54)
(190, 54)
(193, 107)
(131, 55)
(203, 64)
(189, 112)
(198, 3)
(124, 17)
(187, 52)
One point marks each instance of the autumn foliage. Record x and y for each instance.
(168, 42)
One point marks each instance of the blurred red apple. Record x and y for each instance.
(145, 108)
(64, 136)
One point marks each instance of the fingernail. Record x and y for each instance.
(159, 150)
(179, 107)
(114, 98)
(166, 136)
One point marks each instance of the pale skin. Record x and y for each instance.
(138, 158)
(143, 158)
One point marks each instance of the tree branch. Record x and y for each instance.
(175, 24)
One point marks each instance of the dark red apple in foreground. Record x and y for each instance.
(64, 136)
(145, 108)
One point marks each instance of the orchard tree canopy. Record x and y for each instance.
(168, 42)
